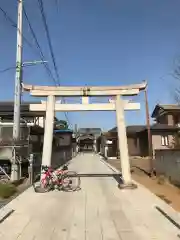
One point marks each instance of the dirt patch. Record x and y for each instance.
(166, 191)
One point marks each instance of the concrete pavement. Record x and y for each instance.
(99, 211)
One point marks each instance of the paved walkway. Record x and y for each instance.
(99, 211)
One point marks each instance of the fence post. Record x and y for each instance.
(30, 168)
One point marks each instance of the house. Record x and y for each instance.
(62, 149)
(167, 114)
(31, 134)
(86, 138)
(108, 142)
(163, 133)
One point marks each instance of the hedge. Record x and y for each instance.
(7, 190)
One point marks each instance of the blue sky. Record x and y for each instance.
(99, 42)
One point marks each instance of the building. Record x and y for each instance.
(164, 134)
(167, 114)
(31, 135)
(62, 149)
(167, 117)
(86, 138)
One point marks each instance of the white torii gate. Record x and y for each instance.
(118, 105)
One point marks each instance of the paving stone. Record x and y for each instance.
(99, 211)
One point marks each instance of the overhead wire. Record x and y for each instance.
(13, 24)
(41, 7)
(40, 53)
(42, 57)
(43, 15)
(7, 69)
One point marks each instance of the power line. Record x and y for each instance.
(7, 69)
(41, 7)
(40, 53)
(38, 46)
(8, 18)
(57, 5)
(13, 24)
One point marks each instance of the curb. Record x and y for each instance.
(5, 212)
(109, 166)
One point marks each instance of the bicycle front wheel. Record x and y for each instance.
(70, 181)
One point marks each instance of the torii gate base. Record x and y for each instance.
(85, 92)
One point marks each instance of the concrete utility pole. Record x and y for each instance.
(18, 77)
(149, 132)
(17, 94)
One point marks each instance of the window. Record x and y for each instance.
(164, 141)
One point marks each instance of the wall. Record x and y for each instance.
(6, 133)
(163, 119)
(59, 157)
(143, 144)
(133, 145)
(156, 141)
(6, 153)
(167, 162)
(64, 139)
(170, 119)
(112, 150)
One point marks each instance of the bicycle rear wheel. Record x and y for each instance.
(42, 186)
(70, 181)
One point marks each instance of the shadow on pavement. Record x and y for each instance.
(116, 176)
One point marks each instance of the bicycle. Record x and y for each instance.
(61, 179)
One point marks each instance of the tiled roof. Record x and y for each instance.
(170, 106)
(7, 109)
(131, 129)
(164, 107)
(163, 127)
(139, 128)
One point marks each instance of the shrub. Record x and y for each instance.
(7, 190)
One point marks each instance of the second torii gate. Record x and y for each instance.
(118, 105)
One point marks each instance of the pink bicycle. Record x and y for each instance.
(61, 179)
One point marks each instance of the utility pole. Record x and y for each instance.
(17, 94)
(149, 132)
(18, 76)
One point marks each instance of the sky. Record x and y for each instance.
(98, 42)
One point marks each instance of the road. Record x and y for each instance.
(99, 211)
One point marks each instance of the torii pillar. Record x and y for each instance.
(123, 146)
(48, 133)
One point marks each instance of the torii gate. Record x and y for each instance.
(118, 105)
